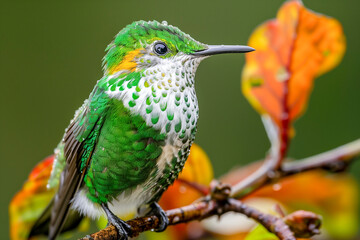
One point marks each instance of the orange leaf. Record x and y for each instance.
(291, 51)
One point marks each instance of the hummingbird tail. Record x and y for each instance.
(30, 209)
(41, 227)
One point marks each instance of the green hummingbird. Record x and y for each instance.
(129, 140)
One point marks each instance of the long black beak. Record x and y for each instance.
(219, 49)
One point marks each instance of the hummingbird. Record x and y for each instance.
(130, 139)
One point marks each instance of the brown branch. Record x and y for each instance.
(202, 189)
(255, 180)
(334, 160)
(198, 211)
(298, 224)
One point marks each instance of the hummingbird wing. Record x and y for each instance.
(80, 140)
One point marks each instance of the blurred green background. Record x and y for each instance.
(50, 59)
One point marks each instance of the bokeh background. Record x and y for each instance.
(50, 59)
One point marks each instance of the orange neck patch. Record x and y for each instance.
(127, 63)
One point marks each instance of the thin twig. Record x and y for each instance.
(202, 189)
(255, 180)
(270, 222)
(334, 160)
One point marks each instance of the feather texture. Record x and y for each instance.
(80, 140)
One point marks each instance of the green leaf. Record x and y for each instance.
(260, 233)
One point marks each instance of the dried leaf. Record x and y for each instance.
(303, 223)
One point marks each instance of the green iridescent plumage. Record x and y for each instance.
(125, 154)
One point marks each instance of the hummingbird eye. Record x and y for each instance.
(160, 48)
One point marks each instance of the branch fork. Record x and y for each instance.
(217, 203)
(223, 198)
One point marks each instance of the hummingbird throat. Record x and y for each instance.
(163, 93)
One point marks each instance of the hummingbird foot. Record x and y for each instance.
(160, 214)
(122, 227)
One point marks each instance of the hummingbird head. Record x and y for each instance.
(151, 66)
(143, 45)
